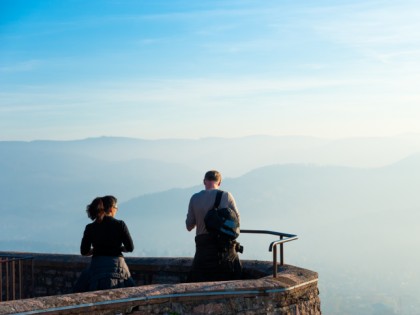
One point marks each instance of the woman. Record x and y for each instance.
(105, 239)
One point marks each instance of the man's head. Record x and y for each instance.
(212, 179)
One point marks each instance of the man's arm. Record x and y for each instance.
(232, 203)
(190, 221)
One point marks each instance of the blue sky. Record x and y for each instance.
(192, 69)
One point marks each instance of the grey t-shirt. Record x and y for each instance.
(202, 202)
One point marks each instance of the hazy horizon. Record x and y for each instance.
(330, 138)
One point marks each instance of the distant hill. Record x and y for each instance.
(357, 226)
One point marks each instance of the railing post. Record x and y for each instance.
(281, 252)
(7, 280)
(275, 261)
(33, 277)
(20, 278)
(1, 279)
(13, 279)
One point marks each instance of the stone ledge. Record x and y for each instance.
(291, 280)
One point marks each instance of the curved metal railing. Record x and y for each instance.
(284, 237)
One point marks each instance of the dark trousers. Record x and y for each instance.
(104, 272)
(214, 260)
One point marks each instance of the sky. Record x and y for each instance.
(74, 69)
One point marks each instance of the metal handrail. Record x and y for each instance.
(284, 237)
(9, 262)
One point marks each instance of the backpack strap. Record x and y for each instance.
(218, 198)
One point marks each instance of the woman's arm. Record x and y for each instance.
(86, 244)
(128, 245)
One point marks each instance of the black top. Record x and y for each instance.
(106, 238)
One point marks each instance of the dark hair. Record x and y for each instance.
(213, 175)
(100, 206)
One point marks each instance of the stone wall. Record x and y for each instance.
(161, 290)
(56, 274)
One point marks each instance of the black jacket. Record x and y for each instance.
(106, 238)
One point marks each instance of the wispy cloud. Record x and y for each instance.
(388, 29)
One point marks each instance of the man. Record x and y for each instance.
(213, 260)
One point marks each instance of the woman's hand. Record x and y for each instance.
(89, 253)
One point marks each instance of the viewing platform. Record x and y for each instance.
(35, 283)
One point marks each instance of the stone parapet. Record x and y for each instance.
(161, 290)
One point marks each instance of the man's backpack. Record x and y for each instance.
(223, 222)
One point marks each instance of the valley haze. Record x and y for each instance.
(352, 202)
